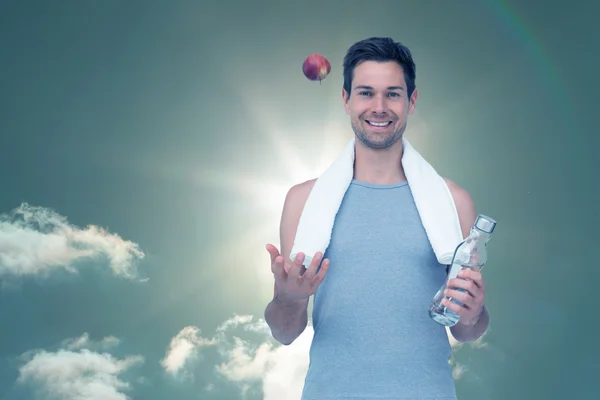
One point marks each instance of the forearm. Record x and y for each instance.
(470, 333)
(287, 320)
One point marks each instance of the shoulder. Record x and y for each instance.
(296, 197)
(300, 191)
(465, 206)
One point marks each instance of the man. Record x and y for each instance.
(373, 337)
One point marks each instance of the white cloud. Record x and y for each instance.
(70, 374)
(279, 370)
(183, 351)
(84, 341)
(247, 324)
(234, 322)
(109, 341)
(37, 240)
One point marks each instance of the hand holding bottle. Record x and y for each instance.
(461, 297)
(472, 296)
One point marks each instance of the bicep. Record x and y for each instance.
(465, 207)
(466, 212)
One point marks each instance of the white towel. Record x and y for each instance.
(431, 194)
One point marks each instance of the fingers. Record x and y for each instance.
(273, 252)
(469, 286)
(288, 271)
(295, 267)
(469, 315)
(309, 275)
(469, 290)
(278, 268)
(318, 278)
(460, 296)
(470, 280)
(457, 308)
(475, 276)
(277, 264)
(312, 269)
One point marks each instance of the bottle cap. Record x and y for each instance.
(485, 223)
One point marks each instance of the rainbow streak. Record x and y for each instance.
(508, 15)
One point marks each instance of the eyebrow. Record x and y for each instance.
(371, 88)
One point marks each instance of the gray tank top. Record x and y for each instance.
(373, 337)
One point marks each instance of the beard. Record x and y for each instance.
(376, 140)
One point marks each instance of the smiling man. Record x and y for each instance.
(373, 337)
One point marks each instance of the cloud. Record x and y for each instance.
(183, 351)
(84, 341)
(35, 241)
(278, 370)
(247, 324)
(76, 373)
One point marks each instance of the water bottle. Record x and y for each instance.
(470, 254)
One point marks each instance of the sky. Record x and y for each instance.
(146, 149)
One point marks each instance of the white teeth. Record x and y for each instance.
(381, 124)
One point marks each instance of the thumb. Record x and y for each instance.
(273, 252)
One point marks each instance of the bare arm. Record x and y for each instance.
(288, 318)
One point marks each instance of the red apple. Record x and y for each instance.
(316, 67)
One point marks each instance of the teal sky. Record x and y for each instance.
(146, 148)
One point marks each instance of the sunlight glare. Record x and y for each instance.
(255, 222)
(263, 196)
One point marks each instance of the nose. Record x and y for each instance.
(379, 104)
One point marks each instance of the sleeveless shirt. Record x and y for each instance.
(373, 338)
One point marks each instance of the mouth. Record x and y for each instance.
(378, 124)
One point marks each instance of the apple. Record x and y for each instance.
(316, 67)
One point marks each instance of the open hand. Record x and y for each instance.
(472, 300)
(294, 282)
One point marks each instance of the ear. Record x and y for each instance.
(346, 98)
(413, 101)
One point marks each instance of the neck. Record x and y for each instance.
(379, 166)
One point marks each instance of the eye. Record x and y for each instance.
(394, 94)
(364, 93)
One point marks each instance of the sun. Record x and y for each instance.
(263, 194)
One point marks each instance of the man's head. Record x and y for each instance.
(379, 88)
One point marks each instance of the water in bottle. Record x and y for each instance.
(470, 254)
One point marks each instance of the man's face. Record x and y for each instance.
(378, 104)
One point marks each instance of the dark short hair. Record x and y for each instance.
(380, 49)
